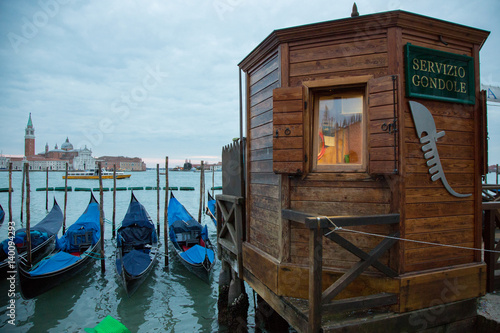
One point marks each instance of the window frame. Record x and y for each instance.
(313, 90)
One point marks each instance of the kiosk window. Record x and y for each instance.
(338, 130)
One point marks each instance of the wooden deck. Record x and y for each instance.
(456, 316)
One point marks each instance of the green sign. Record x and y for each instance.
(439, 75)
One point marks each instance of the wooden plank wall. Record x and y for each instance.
(432, 214)
(263, 204)
(345, 193)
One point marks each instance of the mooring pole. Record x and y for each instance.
(497, 174)
(201, 193)
(47, 188)
(101, 219)
(158, 199)
(10, 191)
(165, 214)
(65, 197)
(22, 195)
(28, 226)
(114, 203)
(213, 180)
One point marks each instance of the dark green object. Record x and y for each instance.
(108, 325)
(185, 188)
(40, 189)
(439, 75)
(62, 189)
(82, 189)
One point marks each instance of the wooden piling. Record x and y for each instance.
(165, 216)
(28, 215)
(65, 197)
(201, 193)
(497, 174)
(10, 191)
(22, 194)
(47, 188)
(113, 227)
(101, 218)
(158, 199)
(213, 180)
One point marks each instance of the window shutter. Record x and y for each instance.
(288, 130)
(383, 110)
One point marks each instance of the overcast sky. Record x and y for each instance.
(160, 78)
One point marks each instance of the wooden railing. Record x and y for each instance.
(491, 223)
(319, 301)
(230, 230)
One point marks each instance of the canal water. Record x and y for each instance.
(170, 300)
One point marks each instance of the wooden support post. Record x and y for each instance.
(201, 193)
(497, 174)
(101, 219)
(28, 215)
(158, 199)
(10, 191)
(165, 213)
(22, 195)
(489, 244)
(315, 278)
(113, 227)
(47, 188)
(65, 198)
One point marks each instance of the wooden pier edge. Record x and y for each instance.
(414, 293)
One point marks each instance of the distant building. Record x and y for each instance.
(55, 159)
(29, 139)
(122, 163)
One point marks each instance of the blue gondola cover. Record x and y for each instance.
(136, 262)
(197, 253)
(87, 222)
(56, 262)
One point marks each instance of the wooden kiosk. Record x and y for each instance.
(361, 132)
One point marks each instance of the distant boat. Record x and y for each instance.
(137, 246)
(210, 211)
(94, 174)
(2, 214)
(74, 250)
(43, 239)
(190, 240)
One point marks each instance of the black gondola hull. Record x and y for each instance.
(33, 286)
(202, 270)
(132, 282)
(37, 254)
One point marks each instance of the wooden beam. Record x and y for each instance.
(312, 220)
(491, 205)
(489, 244)
(229, 198)
(357, 269)
(360, 253)
(283, 308)
(351, 221)
(361, 302)
(315, 278)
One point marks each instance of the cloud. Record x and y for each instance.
(83, 68)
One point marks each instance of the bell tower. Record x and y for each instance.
(29, 139)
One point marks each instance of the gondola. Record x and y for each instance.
(43, 239)
(190, 240)
(210, 211)
(137, 246)
(74, 250)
